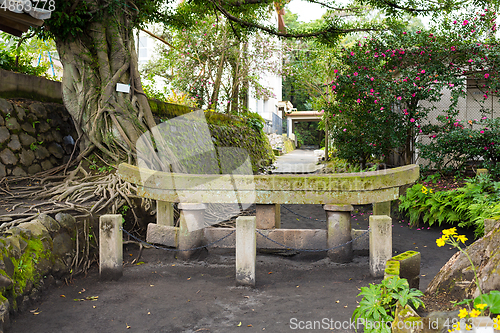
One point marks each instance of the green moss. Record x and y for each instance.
(24, 269)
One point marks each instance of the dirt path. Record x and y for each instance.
(166, 295)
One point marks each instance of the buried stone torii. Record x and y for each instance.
(338, 192)
(185, 167)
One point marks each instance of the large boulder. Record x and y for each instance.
(457, 277)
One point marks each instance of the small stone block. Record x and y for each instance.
(268, 216)
(214, 234)
(246, 250)
(339, 233)
(110, 247)
(409, 265)
(162, 234)
(312, 239)
(481, 171)
(362, 244)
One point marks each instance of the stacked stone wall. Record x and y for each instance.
(34, 136)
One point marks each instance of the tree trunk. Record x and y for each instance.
(218, 78)
(92, 66)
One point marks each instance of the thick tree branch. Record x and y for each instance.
(271, 31)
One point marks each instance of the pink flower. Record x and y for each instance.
(404, 33)
(485, 96)
(423, 71)
(358, 101)
(454, 22)
(413, 95)
(344, 129)
(451, 84)
(381, 108)
(376, 101)
(412, 120)
(482, 132)
(470, 60)
(371, 79)
(486, 75)
(398, 98)
(417, 78)
(355, 73)
(335, 71)
(465, 22)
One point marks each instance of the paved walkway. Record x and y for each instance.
(297, 161)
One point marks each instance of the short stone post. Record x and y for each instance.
(380, 243)
(110, 247)
(246, 250)
(481, 171)
(164, 213)
(382, 208)
(192, 222)
(268, 216)
(339, 232)
(489, 224)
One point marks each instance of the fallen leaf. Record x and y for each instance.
(62, 296)
(246, 296)
(127, 326)
(270, 273)
(140, 263)
(151, 285)
(189, 278)
(345, 306)
(93, 306)
(35, 313)
(34, 310)
(337, 301)
(249, 325)
(149, 313)
(239, 324)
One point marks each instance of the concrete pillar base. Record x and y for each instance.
(268, 216)
(339, 232)
(246, 250)
(382, 208)
(190, 234)
(110, 247)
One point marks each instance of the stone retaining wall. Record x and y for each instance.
(34, 255)
(34, 136)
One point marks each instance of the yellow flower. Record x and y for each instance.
(474, 313)
(450, 232)
(431, 190)
(496, 323)
(462, 238)
(481, 306)
(440, 242)
(462, 313)
(468, 327)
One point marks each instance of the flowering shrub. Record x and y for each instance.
(467, 206)
(384, 77)
(457, 143)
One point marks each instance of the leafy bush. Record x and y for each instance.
(455, 144)
(379, 302)
(8, 62)
(467, 206)
(254, 120)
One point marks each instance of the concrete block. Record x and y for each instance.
(339, 232)
(382, 208)
(481, 171)
(391, 268)
(110, 247)
(409, 267)
(164, 213)
(162, 234)
(213, 234)
(190, 234)
(380, 243)
(313, 239)
(362, 244)
(246, 250)
(268, 216)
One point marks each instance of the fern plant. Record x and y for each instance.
(467, 206)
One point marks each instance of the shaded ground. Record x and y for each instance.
(166, 295)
